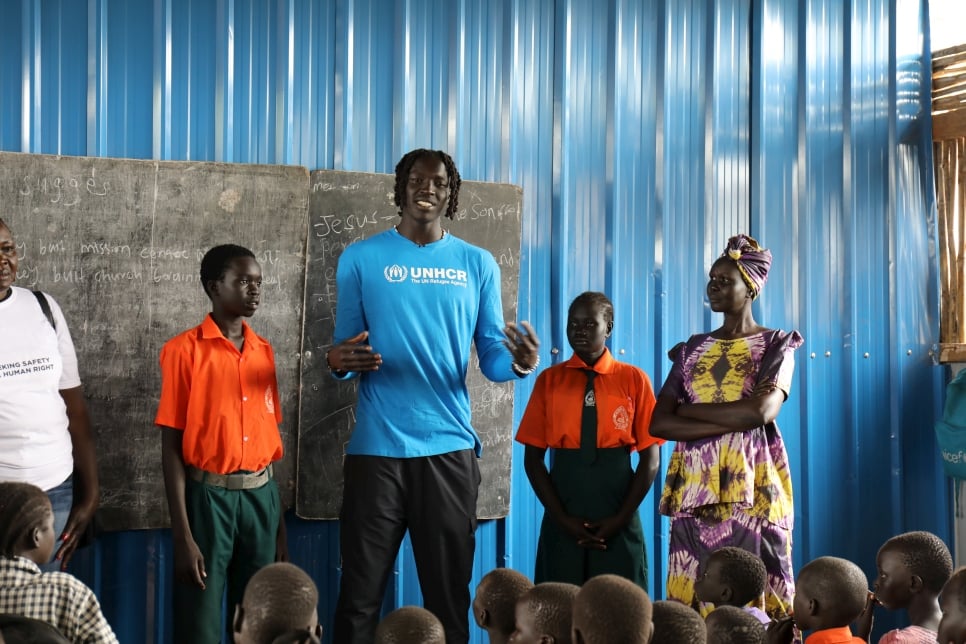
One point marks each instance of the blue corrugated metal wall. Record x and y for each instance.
(643, 134)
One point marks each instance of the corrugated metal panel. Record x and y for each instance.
(643, 134)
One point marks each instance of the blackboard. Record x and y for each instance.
(118, 243)
(348, 206)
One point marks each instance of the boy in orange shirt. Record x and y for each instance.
(219, 413)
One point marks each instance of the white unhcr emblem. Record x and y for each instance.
(395, 273)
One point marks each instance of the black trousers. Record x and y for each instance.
(434, 497)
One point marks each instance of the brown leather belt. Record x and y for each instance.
(236, 481)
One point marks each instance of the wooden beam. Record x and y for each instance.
(949, 125)
(952, 353)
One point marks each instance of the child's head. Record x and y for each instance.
(26, 522)
(909, 564)
(733, 625)
(676, 622)
(608, 609)
(830, 593)
(232, 277)
(494, 607)
(278, 598)
(410, 625)
(590, 320)
(16, 628)
(952, 601)
(544, 614)
(731, 577)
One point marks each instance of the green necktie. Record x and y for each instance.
(588, 421)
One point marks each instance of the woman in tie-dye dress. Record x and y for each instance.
(728, 482)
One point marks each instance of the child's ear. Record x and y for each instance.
(648, 632)
(726, 594)
(36, 535)
(236, 622)
(813, 607)
(484, 618)
(915, 584)
(547, 639)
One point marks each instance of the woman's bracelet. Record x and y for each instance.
(520, 371)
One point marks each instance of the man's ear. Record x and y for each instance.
(238, 620)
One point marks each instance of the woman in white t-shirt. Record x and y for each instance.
(45, 434)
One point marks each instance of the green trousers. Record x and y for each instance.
(235, 530)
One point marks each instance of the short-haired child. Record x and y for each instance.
(733, 625)
(610, 608)
(219, 412)
(27, 540)
(494, 605)
(952, 602)
(279, 598)
(17, 628)
(733, 577)
(677, 622)
(544, 614)
(410, 625)
(911, 570)
(831, 593)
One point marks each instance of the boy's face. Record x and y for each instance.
(238, 292)
(708, 588)
(952, 626)
(801, 606)
(47, 540)
(478, 607)
(526, 631)
(892, 586)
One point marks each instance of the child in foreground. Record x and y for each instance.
(27, 540)
(279, 599)
(494, 606)
(410, 625)
(733, 625)
(544, 614)
(912, 569)
(831, 594)
(733, 577)
(610, 608)
(675, 623)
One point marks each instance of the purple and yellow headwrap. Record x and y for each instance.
(753, 261)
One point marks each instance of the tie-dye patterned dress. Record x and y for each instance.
(734, 489)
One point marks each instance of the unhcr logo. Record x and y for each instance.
(395, 273)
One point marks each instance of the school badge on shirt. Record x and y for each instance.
(269, 401)
(622, 418)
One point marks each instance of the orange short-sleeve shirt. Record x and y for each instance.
(225, 401)
(625, 400)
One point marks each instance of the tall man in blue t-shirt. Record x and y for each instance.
(411, 302)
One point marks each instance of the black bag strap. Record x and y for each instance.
(45, 307)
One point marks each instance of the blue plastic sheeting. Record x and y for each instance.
(643, 133)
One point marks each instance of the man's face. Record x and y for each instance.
(427, 190)
(9, 260)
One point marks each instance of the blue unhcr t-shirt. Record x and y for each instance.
(423, 307)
